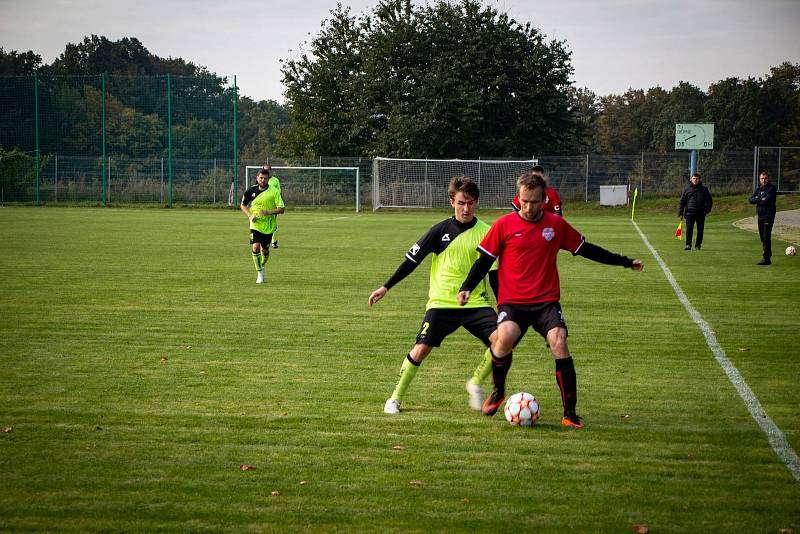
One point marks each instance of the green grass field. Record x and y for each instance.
(140, 366)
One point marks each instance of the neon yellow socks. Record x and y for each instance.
(258, 260)
(483, 370)
(407, 372)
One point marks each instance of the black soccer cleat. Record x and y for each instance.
(274, 244)
(492, 404)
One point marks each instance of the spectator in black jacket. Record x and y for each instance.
(764, 198)
(695, 204)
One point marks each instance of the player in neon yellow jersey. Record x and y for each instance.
(274, 182)
(453, 244)
(262, 205)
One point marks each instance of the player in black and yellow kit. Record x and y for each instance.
(262, 204)
(453, 243)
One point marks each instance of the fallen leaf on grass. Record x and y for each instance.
(275, 493)
(186, 346)
(640, 529)
(398, 448)
(786, 530)
(417, 483)
(284, 414)
(625, 416)
(744, 349)
(303, 482)
(245, 467)
(6, 429)
(164, 358)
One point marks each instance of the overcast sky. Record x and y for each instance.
(615, 44)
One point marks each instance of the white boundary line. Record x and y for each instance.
(776, 438)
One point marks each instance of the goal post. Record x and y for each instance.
(422, 183)
(314, 186)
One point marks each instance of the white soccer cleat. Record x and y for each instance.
(392, 406)
(260, 279)
(476, 395)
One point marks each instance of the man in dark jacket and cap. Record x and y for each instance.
(694, 206)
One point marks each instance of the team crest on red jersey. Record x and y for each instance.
(548, 234)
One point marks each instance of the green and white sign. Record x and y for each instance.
(694, 136)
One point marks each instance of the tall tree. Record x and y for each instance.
(14, 63)
(453, 79)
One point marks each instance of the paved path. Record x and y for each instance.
(787, 225)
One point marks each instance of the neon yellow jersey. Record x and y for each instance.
(454, 247)
(274, 182)
(269, 199)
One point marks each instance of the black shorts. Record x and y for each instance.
(441, 322)
(258, 237)
(542, 317)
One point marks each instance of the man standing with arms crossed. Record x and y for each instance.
(764, 198)
(526, 244)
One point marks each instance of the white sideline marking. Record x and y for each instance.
(776, 438)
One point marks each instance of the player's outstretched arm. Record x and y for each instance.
(601, 255)
(405, 268)
(377, 295)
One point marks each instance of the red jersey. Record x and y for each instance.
(527, 253)
(552, 202)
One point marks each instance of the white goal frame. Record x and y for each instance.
(422, 183)
(256, 168)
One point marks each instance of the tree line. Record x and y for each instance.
(446, 79)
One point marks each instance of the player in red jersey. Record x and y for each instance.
(552, 202)
(526, 244)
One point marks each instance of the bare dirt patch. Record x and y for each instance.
(787, 225)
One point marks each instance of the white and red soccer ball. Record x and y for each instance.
(522, 409)
(791, 251)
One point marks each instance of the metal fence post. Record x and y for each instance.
(169, 137)
(587, 179)
(55, 192)
(36, 128)
(235, 169)
(641, 178)
(103, 134)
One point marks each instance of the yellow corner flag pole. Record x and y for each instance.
(635, 194)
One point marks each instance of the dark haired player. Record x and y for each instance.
(526, 244)
(262, 205)
(453, 244)
(552, 202)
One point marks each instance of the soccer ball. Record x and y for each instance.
(791, 251)
(522, 409)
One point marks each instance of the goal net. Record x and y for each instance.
(422, 183)
(314, 186)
